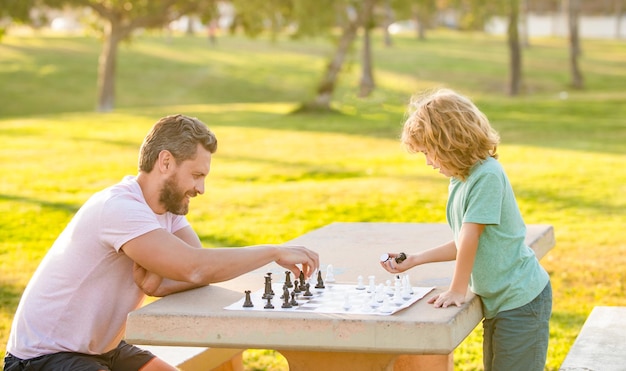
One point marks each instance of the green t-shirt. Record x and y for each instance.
(506, 273)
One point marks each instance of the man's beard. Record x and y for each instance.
(172, 197)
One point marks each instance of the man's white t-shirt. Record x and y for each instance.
(81, 293)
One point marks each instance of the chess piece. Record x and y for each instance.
(302, 281)
(285, 296)
(397, 294)
(407, 282)
(307, 293)
(385, 308)
(346, 302)
(388, 288)
(293, 302)
(380, 293)
(268, 293)
(247, 303)
(400, 258)
(372, 284)
(296, 287)
(373, 302)
(320, 282)
(288, 279)
(269, 275)
(269, 304)
(330, 275)
(359, 285)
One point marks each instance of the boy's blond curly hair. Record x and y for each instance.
(451, 129)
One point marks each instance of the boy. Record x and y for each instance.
(488, 245)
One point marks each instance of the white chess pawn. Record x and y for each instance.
(406, 292)
(406, 281)
(385, 308)
(359, 284)
(372, 286)
(346, 302)
(388, 288)
(397, 292)
(330, 275)
(373, 301)
(380, 293)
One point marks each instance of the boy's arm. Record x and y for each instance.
(441, 253)
(466, 253)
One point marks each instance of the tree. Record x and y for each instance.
(421, 12)
(515, 50)
(619, 12)
(119, 19)
(353, 19)
(367, 85)
(573, 10)
(16, 10)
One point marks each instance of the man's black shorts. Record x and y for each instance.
(125, 357)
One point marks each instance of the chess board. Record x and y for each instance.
(335, 298)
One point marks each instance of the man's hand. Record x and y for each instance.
(290, 256)
(148, 282)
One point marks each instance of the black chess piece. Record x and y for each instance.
(308, 293)
(302, 281)
(268, 293)
(269, 304)
(293, 302)
(286, 303)
(400, 258)
(269, 274)
(320, 282)
(248, 302)
(296, 288)
(288, 279)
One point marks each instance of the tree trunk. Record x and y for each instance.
(367, 76)
(420, 22)
(326, 87)
(388, 22)
(524, 22)
(515, 50)
(618, 19)
(574, 42)
(106, 68)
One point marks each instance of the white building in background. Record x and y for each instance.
(590, 27)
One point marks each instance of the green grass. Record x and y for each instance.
(565, 158)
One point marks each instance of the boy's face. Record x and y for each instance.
(430, 161)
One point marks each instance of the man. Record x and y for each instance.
(127, 241)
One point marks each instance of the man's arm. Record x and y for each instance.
(155, 285)
(169, 256)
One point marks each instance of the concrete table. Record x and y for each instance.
(419, 337)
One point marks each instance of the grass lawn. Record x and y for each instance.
(564, 157)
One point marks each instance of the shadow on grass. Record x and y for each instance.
(9, 298)
(568, 320)
(62, 206)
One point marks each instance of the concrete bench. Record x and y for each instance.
(601, 343)
(199, 358)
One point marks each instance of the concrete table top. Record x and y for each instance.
(197, 317)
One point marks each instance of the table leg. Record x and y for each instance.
(341, 361)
